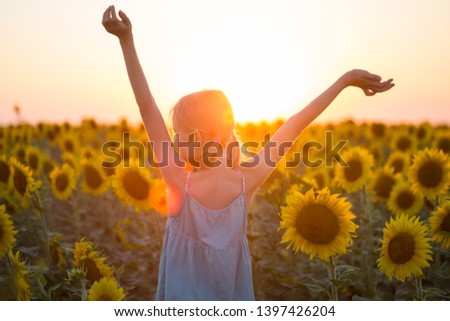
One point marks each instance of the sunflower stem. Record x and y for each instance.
(45, 237)
(332, 276)
(369, 242)
(419, 288)
(76, 216)
(11, 271)
(84, 295)
(437, 258)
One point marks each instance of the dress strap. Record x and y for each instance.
(243, 180)
(187, 181)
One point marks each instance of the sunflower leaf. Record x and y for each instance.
(442, 251)
(315, 286)
(53, 289)
(340, 282)
(436, 293)
(347, 269)
(444, 233)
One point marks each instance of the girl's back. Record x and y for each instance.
(205, 253)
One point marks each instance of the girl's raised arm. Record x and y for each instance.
(259, 168)
(155, 126)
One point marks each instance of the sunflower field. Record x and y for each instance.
(372, 224)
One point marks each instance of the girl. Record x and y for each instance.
(205, 253)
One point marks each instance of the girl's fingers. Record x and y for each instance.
(369, 92)
(113, 13)
(378, 89)
(387, 87)
(124, 17)
(370, 76)
(106, 15)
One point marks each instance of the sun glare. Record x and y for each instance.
(256, 69)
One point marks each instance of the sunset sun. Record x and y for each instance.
(254, 66)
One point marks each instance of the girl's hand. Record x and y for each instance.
(369, 83)
(119, 28)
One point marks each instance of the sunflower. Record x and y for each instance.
(33, 158)
(63, 182)
(382, 182)
(353, 176)
(158, 196)
(442, 141)
(95, 181)
(5, 171)
(20, 275)
(440, 224)
(404, 200)
(56, 252)
(121, 229)
(88, 152)
(430, 172)
(69, 159)
(106, 289)
(88, 258)
(317, 223)
(21, 182)
(319, 176)
(403, 141)
(399, 161)
(133, 185)
(423, 133)
(376, 149)
(19, 153)
(69, 143)
(9, 201)
(378, 131)
(7, 232)
(47, 166)
(405, 248)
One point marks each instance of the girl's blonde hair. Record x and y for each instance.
(210, 113)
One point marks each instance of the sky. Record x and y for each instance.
(271, 58)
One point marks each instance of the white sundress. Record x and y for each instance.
(205, 254)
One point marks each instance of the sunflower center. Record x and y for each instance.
(68, 146)
(378, 130)
(317, 223)
(421, 132)
(398, 165)
(104, 297)
(383, 186)
(62, 181)
(4, 172)
(401, 248)
(405, 200)
(445, 226)
(20, 155)
(48, 167)
(403, 143)
(136, 186)
(376, 154)
(92, 272)
(33, 161)
(430, 174)
(92, 176)
(353, 171)
(444, 144)
(20, 182)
